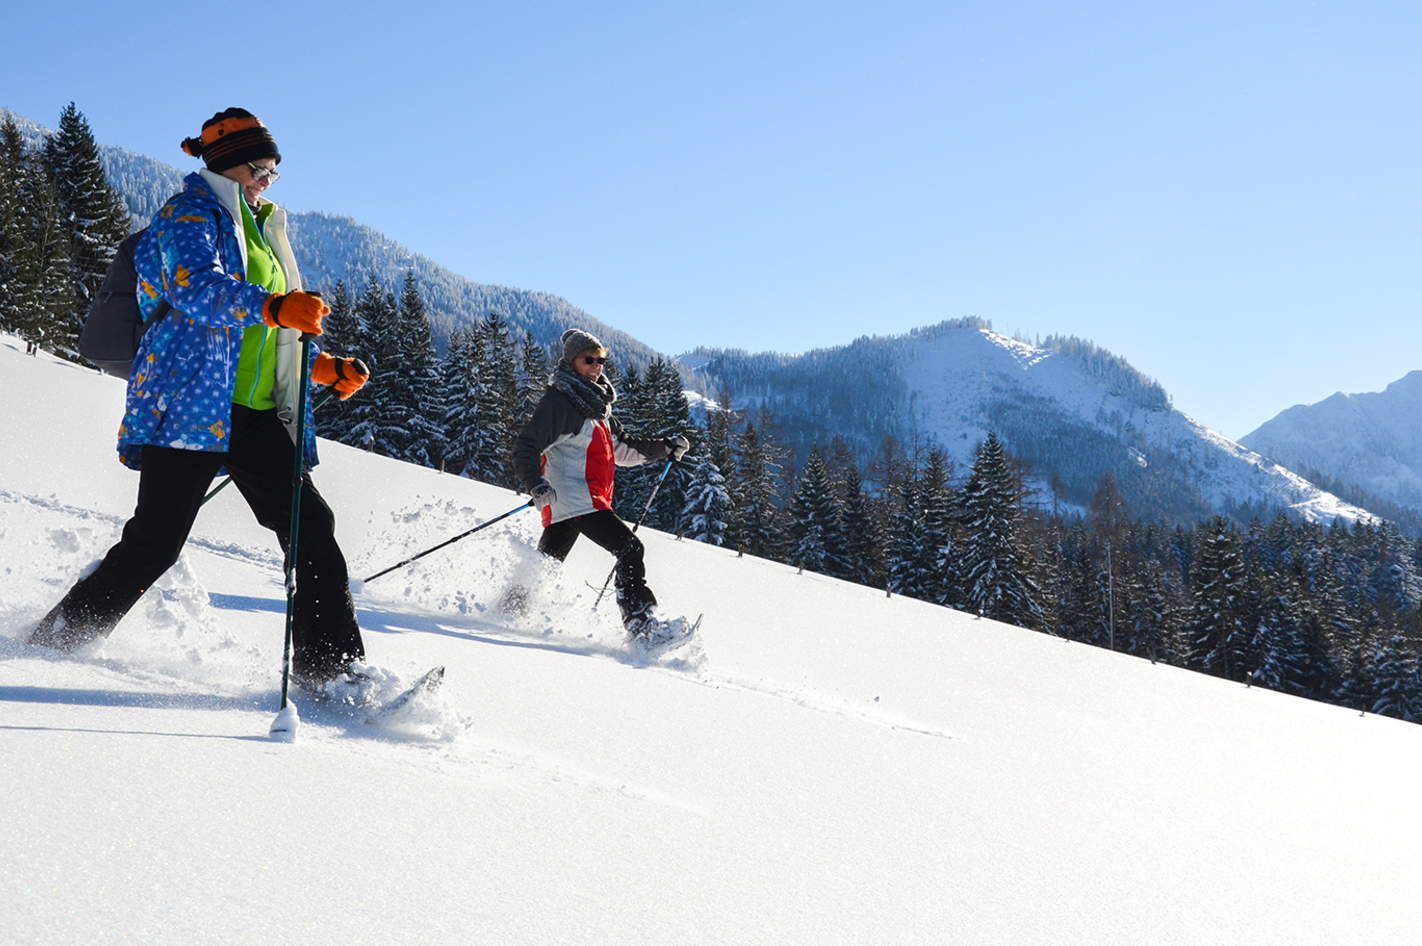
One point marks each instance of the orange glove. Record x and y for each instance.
(347, 374)
(299, 310)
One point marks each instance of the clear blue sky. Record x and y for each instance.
(1224, 193)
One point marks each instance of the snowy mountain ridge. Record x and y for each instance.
(1070, 410)
(1370, 441)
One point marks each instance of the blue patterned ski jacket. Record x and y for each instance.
(195, 256)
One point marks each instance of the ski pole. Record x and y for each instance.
(298, 475)
(462, 535)
(227, 481)
(637, 525)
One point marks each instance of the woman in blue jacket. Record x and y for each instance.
(216, 385)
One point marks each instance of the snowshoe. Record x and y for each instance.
(360, 686)
(651, 635)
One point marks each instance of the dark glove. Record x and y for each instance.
(302, 311)
(677, 446)
(543, 495)
(347, 374)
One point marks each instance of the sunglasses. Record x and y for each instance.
(593, 360)
(260, 173)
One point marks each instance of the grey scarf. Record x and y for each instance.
(592, 400)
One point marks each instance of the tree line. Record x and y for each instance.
(60, 223)
(1332, 613)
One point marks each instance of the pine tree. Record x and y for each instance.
(708, 504)
(718, 448)
(1394, 680)
(342, 338)
(669, 416)
(93, 215)
(996, 580)
(1328, 621)
(378, 315)
(1218, 630)
(634, 412)
(939, 510)
(463, 393)
(1393, 585)
(913, 550)
(13, 228)
(424, 412)
(497, 420)
(1081, 604)
(534, 371)
(46, 291)
(1050, 559)
(758, 473)
(1280, 654)
(814, 520)
(859, 541)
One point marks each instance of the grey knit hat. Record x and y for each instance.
(576, 341)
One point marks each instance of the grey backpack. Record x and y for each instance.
(116, 325)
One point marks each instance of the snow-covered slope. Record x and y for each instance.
(1069, 409)
(1370, 441)
(826, 765)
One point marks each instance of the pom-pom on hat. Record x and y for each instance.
(230, 138)
(575, 341)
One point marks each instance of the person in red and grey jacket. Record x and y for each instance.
(566, 457)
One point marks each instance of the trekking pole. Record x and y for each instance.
(298, 475)
(636, 526)
(462, 535)
(325, 396)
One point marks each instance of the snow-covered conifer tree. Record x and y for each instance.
(859, 541)
(938, 506)
(93, 215)
(372, 416)
(497, 421)
(13, 245)
(996, 580)
(707, 504)
(1218, 630)
(462, 374)
(342, 338)
(719, 449)
(424, 411)
(913, 552)
(47, 293)
(813, 525)
(759, 472)
(534, 370)
(1393, 681)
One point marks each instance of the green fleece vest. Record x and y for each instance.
(256, 366)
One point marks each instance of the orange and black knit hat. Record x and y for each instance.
(230, 138)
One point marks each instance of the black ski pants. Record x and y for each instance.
(604, 528)
(171, 486)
